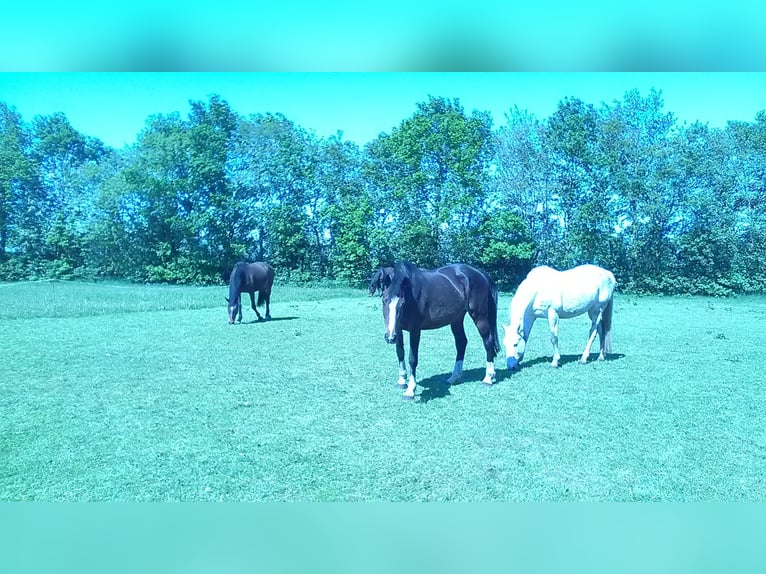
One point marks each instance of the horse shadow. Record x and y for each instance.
(566, 359)
(255, 321)
(436, 386)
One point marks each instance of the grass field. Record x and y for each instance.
(145, 393)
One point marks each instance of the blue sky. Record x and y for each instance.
(114, 106)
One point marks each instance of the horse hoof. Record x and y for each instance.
(407, 397)
(401, 385)
(488, 383)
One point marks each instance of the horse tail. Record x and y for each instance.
(261, 297)
(493, 316)
(606, 325)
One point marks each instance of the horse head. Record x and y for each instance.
(234, 307)
(380, 280)
(396, 296)
(514, 343)
(374, 283)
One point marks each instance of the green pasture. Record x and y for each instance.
(146, 393)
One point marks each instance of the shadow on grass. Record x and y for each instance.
(566, 359)
(255, 321)
(436, 387)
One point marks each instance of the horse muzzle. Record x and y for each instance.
(390, 338)
(512, 363)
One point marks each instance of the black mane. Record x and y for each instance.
(404, 272)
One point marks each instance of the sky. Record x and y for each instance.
(114, 106)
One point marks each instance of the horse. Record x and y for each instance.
(249, 278)
(546, 292)
(419, 299)
(380, 280)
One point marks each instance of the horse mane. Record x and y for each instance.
(403, 271)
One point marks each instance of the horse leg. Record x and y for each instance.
(239, 305)
(601, 337)
(461, 341)
(601, 343)
(487, 337)
(595, 327)
(414, 344)
(402, 382)
(553, 323)
(268, 302)
(252, 304)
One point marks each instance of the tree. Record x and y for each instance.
(63, 206)
(641, 163)
(523, 182)
(505, 248)
(748, 164)
(271, 168)
(17, 174)
(581, 188)
(429, 178)
(707, 240)
(348, 211)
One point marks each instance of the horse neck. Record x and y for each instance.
(521, 309)
(234, 290)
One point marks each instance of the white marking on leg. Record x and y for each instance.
(457, 373)
(489, 375)
(392, 316)
(410, 392)
(402, 382)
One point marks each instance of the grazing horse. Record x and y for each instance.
(554, 294)
(418, 299)
(249, 278)
(380, 280)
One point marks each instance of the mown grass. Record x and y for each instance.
(146, 393)
(83, 299)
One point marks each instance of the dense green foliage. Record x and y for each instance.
(669, 208)
(146, 393)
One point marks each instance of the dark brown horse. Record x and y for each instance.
(380, 280)
(418, 300)
(249, 278)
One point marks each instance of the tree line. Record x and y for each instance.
(668, 208)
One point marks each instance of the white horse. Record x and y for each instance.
(556, 295)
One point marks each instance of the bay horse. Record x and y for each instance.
(546, 292)
(380, 280)
(419, 299)
(249, 278)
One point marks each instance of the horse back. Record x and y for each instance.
(251, 277)
(570, 293)
(438, 299)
